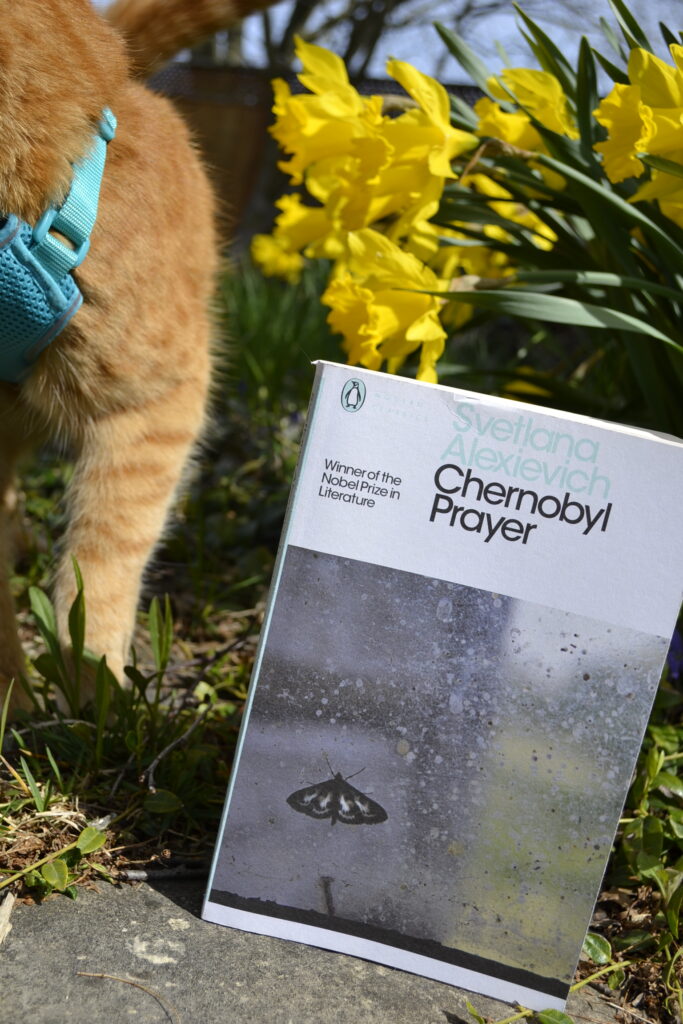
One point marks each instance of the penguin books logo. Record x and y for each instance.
(353, 395)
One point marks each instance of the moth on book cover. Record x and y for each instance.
(337, 800)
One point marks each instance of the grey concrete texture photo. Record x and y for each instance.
(141, 954)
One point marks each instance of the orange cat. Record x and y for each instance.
(125, 383)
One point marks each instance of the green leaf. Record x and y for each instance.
(661, 164)
(587, 100)
(55, 768)
(38, 797)
(474, 1013)
(101, 870)
(667, 737)
(667, 35)
(549, 55)
(463, 113)
(77, 628)
(673, 910)
(161, 632)
(667, 780)
(613, 39)
(616, 74)
(630, 213)
(616, 979)
(466, 57)
(557, 309)
(56, 874)
(631, 30)
(597, 278)
(48, 667)
(162, 802)
(597, 948)
(653, 763)
(89, 840)
(44, 614)
(553, 1017)
(653, 836)
(137, 678)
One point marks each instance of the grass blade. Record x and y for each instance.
(38, 797)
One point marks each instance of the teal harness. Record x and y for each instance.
(38, 295)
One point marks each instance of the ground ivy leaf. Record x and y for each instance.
(56, 874)
(90, 839)
(597, 948)
(554, 1017)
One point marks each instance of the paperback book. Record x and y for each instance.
(468, 620)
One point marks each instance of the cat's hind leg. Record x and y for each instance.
(126, 475)
(14, 442)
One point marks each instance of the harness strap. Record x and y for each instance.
(76, 217)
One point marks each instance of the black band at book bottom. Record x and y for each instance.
(422, 947)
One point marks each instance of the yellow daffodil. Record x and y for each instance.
(646, 117)
(515, 128)
(426, 134)
(298, 228)
(661, 85)
(512, 127)
(379, 309)
(538, 93)
(322, 124)
(276, 258)
(362, 167)
(630, 130)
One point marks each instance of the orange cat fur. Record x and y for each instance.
(125, 384)
(157, 29)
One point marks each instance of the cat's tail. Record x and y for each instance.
(158, 29)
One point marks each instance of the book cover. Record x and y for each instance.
(468, 619)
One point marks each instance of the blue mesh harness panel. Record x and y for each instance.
(34, 307)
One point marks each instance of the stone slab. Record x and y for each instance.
(187, 971)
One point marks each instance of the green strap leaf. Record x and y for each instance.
(661, 164)
(630, 28)
(597, 279)
(613, 39)
(630, 212)
(587, 101)
(615, 73)
(667, 35)
(463, 113)
(549, 55)
(161, 632)
(558, 309)
(466, 57)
